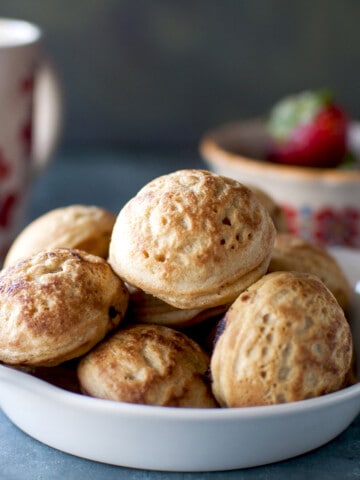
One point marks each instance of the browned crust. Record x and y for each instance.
(285, 339)
(192, 238)
(84, 227)
(148, 364)
(56, 305)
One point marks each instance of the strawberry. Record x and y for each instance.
(307, 129)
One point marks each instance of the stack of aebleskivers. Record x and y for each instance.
(191, 254)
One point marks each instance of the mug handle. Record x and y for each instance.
(47, 116)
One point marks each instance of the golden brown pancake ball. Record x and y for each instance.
(150, 365)
(85, 227)
(192, 238)
(56, 305)
(285, 339)
(291, 252)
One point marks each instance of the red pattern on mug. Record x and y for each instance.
(4, 166)
(6, 208)
(26, 136)
(27, 85)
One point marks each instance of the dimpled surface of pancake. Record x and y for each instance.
(192, 238)
(148, 364)
(56, 305)
(285, 339)
(295, 253)
(85, 227)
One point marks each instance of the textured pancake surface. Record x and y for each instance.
(56, 305)
(148, 364)
(292, 253)
(285, 339)
(192, 238)
(85, 227)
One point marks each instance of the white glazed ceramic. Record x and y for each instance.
(322, 205)
(30, 113)
(178, 439)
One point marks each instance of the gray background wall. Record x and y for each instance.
(140, 73)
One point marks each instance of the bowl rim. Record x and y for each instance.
(217, 154)
(49, 392)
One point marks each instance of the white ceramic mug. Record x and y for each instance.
(30, 120)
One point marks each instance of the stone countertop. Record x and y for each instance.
(109, 179)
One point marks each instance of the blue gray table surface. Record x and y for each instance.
(109, 179)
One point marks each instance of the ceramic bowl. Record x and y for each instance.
(183, 439)
(320, 204)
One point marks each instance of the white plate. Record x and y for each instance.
(177, 439)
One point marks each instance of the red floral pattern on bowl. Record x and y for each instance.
(326, 225)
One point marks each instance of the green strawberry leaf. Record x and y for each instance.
(348, 162)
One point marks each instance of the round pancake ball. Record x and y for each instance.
(150, 365)
(285, 339)
(192, 238)
(56, 305)
(85, 227)
(291, 253)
